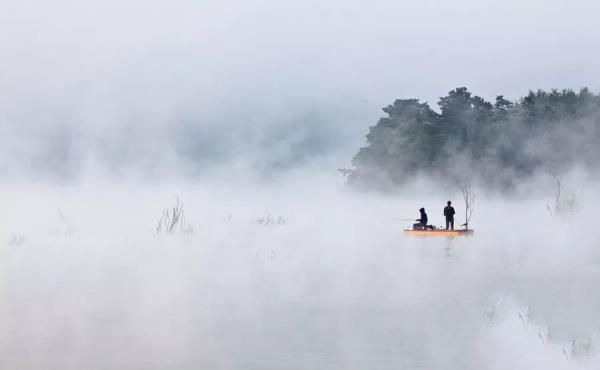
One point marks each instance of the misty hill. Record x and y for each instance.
(498, 142)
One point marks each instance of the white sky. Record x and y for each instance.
(105, 65)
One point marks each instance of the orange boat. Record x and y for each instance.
(439, 232)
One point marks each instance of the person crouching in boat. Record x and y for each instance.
(422, 224)
(449, 213)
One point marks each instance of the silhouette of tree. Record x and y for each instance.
(513, 138)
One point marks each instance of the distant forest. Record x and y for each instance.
(498, 143)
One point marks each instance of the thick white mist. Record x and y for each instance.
(165, 88)
(110, 109)
(337, 285)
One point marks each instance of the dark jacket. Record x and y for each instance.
(423, 218)
(449, 212)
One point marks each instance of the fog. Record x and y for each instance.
(336, 284)
(111, 111)
(162, 88)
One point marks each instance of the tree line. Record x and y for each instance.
(498, 142)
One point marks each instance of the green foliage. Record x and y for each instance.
(500, 141)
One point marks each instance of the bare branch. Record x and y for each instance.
(564, 205)
(469, 197)
(173, 219)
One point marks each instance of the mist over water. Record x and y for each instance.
(163, 89)
(245, 112)
(336, 285)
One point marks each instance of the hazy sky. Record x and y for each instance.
(170, 84)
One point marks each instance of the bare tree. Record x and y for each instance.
(173, 219)
(564, 205)
(469, 197)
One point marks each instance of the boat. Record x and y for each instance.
(438, 232)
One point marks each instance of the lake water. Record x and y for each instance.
(314, 293)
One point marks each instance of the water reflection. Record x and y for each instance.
(429, 303)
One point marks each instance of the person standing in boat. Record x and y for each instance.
(449, 213)
(422, 224)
